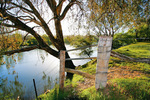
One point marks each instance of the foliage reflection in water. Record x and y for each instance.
(19, 70)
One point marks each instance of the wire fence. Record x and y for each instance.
(120, 43)
(40, 83)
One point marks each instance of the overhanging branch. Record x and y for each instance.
(19, 50)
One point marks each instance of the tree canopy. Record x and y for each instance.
(107, 16)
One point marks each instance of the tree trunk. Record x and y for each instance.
(21, 24)
(69, 64)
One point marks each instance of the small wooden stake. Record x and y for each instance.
(35, 88)
(104, 50)
(62, 70)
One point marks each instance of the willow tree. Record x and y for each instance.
(106, 17)
(28, 15)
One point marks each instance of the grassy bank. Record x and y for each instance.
(138, 50)
(126, 80)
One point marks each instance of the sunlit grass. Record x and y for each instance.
(135, 66)
(129, 88)
(138, 50)
(124, 88)
(89, 67)
(137, 89)
(120, 89)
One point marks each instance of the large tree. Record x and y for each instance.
(106, 17)
(28, 15)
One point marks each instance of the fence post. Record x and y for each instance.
(104, 50)
(35, 89)
(62, 70)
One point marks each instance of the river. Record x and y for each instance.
(18, 71)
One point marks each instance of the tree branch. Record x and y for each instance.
(44, 25)
(24, 39)
(59, 6)
(52, 5)
(20, 25)
(7, 25)
(66, 10)
(9, 31)
(30, 20)
(19, 50)
(22, 8)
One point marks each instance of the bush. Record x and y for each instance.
(123, 39)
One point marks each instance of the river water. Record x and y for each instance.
(18, 71)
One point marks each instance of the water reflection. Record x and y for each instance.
(10, 88)
(19, 70)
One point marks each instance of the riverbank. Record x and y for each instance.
(126, 80)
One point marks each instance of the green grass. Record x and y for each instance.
(138, 50)
(137, 88)
(91, 93)
(89, 67)
(132, 89)
(134, 66)
(124, 89)
(120, 89)
(56, 94)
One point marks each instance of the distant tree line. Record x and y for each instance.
(133, 35)
(17, 40)
(139, 34)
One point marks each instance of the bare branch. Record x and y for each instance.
(30, 19)
(52, 5)
(100, 16)
(9, 31)
(24, 39)
(10, 8)
(66, 10)
(44, 25)
(50, 20)
(7, 25)
(25, 17)
(59, 7)
(22, 8)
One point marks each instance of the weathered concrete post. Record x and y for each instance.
(104, 50)
(62, 70)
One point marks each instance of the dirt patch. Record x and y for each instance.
(122, 72)
(86, 84)
(114, 72)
